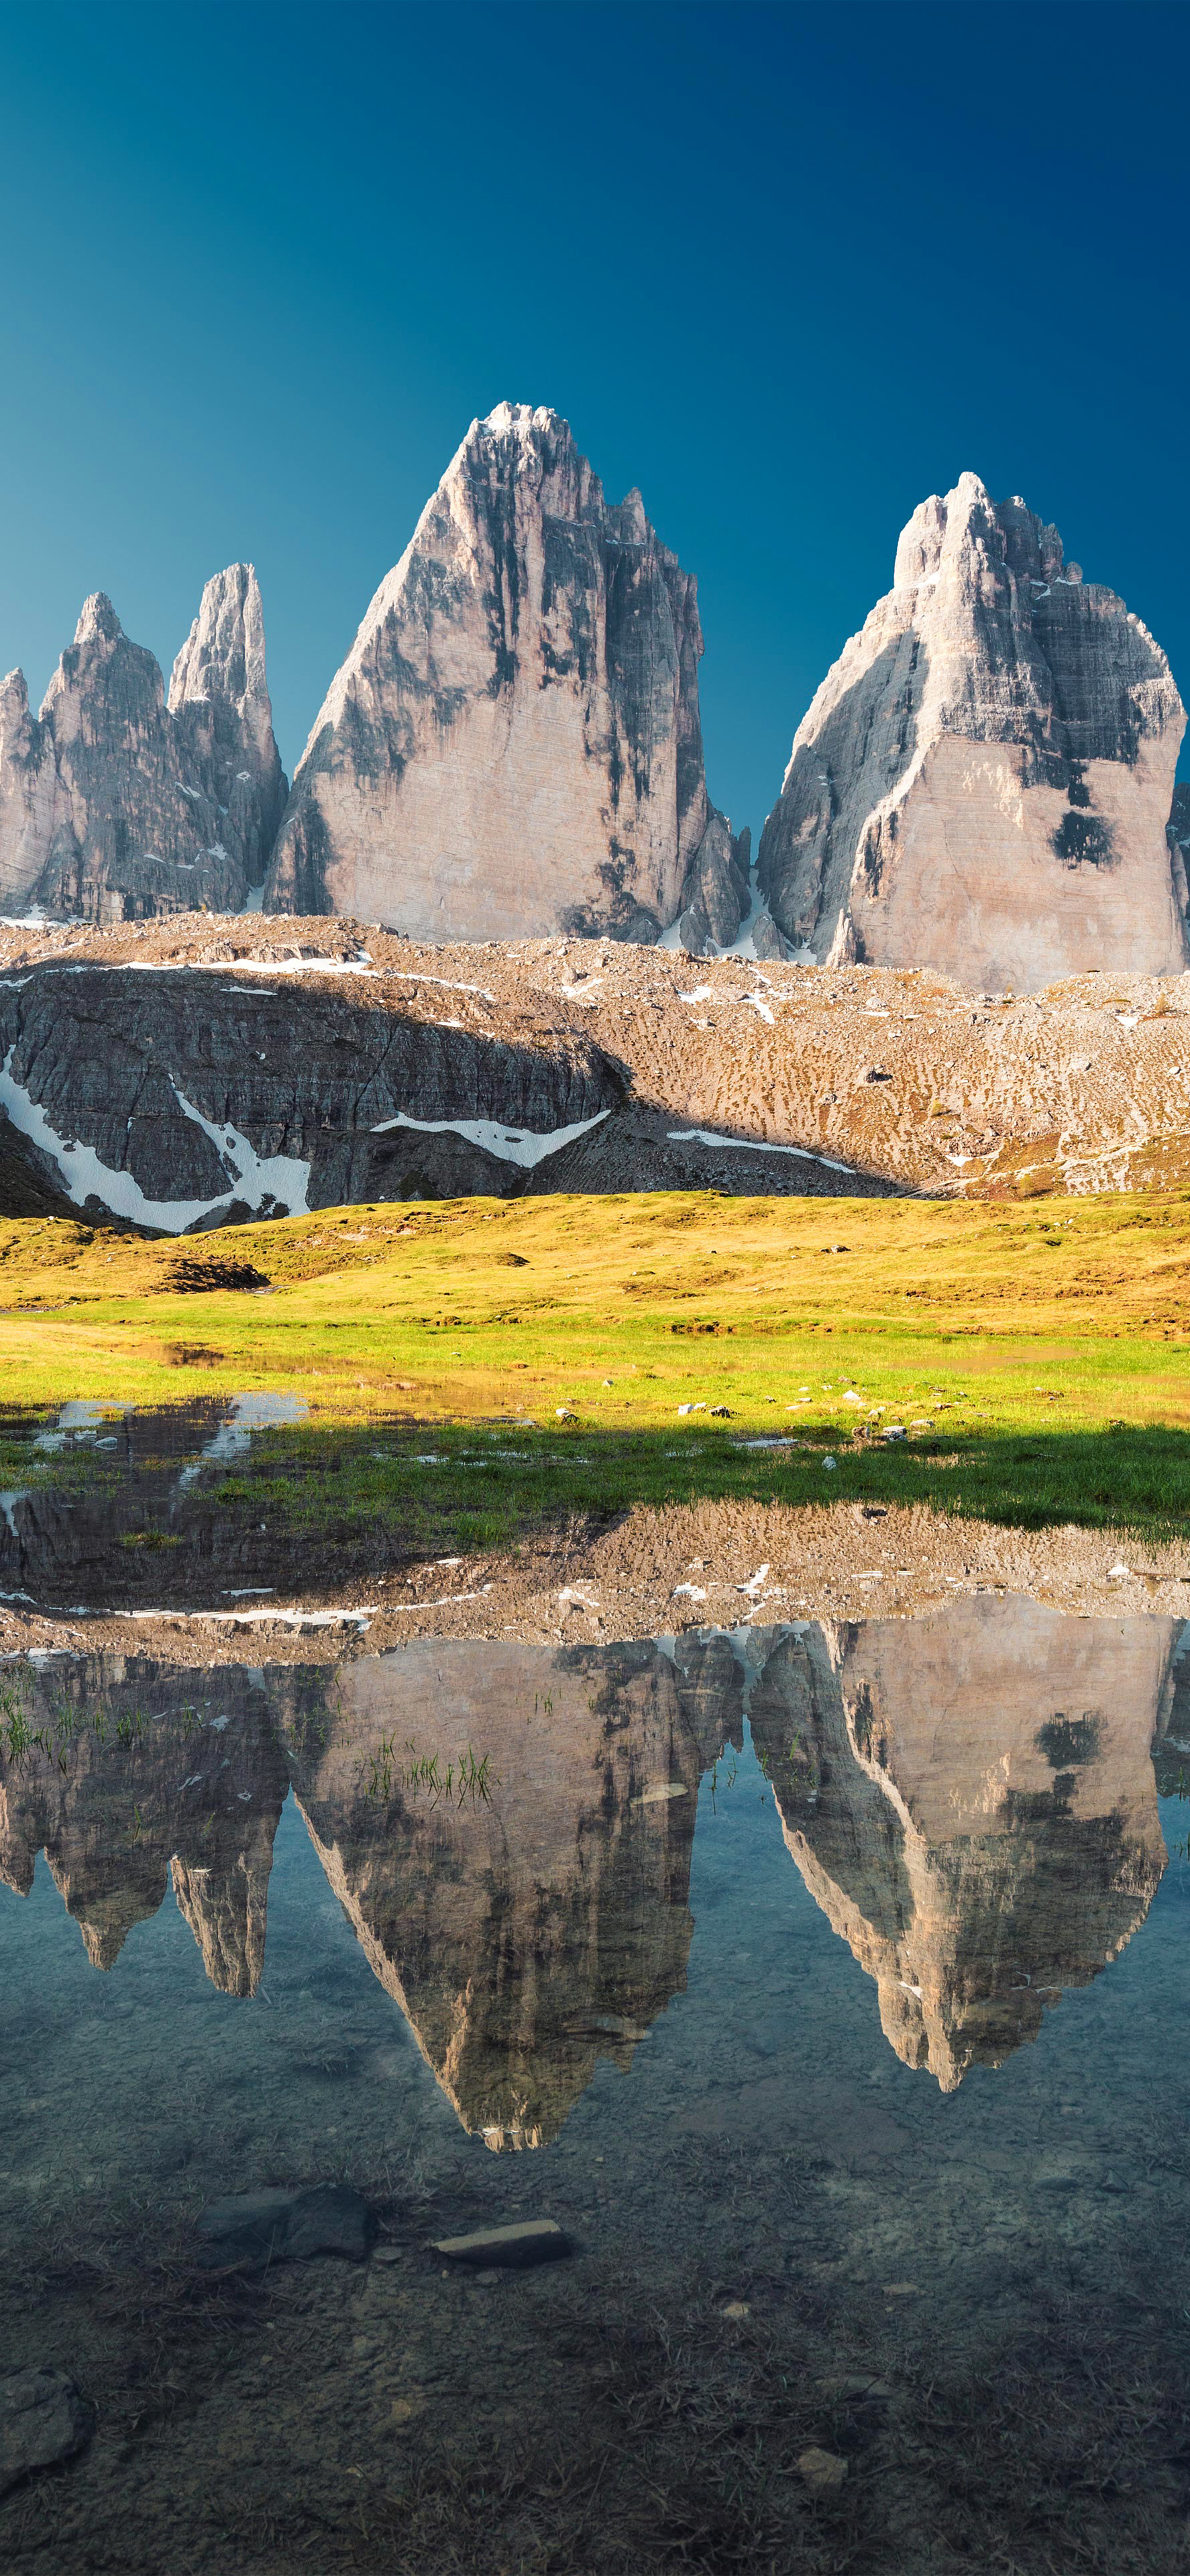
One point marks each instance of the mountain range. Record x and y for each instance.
(512, 749)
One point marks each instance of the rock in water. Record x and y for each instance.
(113, 805)
(983, 781)
(824, 2472)
(279, 2226)
(513, 745)
(516, 2248)
(43, 2420)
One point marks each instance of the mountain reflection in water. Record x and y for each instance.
(969, 1798)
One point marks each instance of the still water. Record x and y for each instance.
(826, 1986)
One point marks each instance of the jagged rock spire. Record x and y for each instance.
(512, 745)
(113, 805)
(983, 781)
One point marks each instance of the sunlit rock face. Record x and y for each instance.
(115, 806)
(539, 1921)
(140, 1766)
(983, 782)
(971, 1800)
(219, 701)
(513, 744)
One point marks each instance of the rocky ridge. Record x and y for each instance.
(180, 1075)
(983, 781)
(115, 805)
(513, 744)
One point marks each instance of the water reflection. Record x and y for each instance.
(143, 1525)
(969, 1798)
(971, 1801)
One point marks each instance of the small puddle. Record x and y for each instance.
(135, 1515)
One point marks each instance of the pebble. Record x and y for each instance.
(43, 2420)
(822, 2471)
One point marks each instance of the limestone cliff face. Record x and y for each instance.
(971, 1800)
(28, 789)
(114, 806)
(182, 1100)
(134, 1773)
(513, 744)
(219, 700)
(983, 781)
(531, 1930)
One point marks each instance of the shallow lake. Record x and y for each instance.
(826, 1986)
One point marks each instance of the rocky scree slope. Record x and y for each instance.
(513, 744)
(115, 805)
(983, 782)
(180, 1076)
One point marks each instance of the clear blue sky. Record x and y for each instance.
(787, 268)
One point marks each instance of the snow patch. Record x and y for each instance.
(509, 1144)
(750, 1145)
(255, 1178)
(236, 966)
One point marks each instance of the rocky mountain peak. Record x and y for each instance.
(513, 744)
(223, 655)
(114, 806)
(983, 781)
(219, 698)
(98, 622)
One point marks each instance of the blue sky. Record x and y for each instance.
(787, 268)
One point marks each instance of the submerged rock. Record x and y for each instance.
(513, 744)
(287, 2226)
(983, 781)
(43, 2420)
(515, 2248)
(823, 2472)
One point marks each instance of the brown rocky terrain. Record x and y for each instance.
(656, 1572)
(178, 1074)
(513, 744)
(983, 782)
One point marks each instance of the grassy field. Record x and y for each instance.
(1036, 1356)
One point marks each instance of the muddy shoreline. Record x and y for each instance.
(655, 1573)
